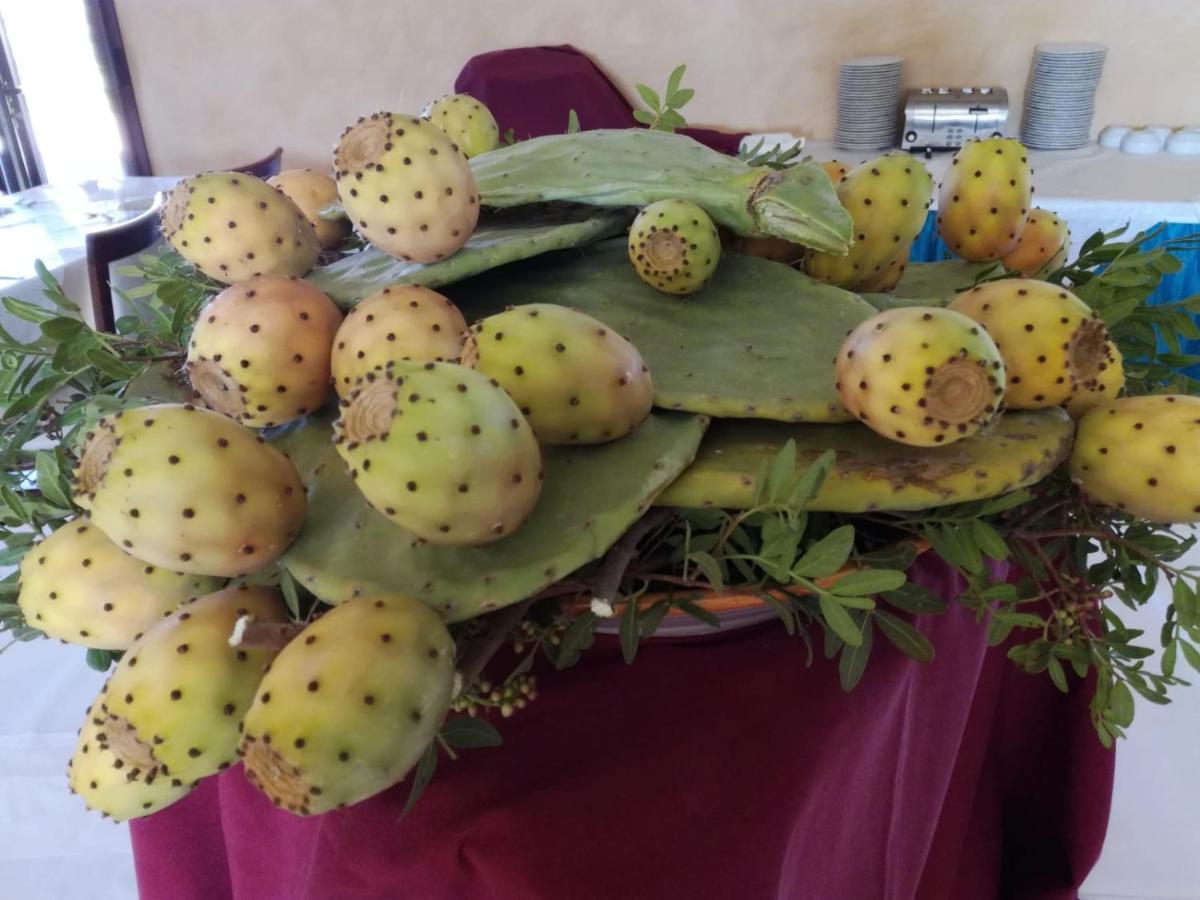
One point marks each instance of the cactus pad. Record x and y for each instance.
(873, 473)
(930, 284)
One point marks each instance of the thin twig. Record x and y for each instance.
(607, 583)
(480, 651)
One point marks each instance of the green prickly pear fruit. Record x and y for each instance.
(173, 705)
(442, 451)
(574, 378)
(349, 705)
(1109, 384)
(1042, 246)
(398, 322)
(887, 199)
(312, 192)
(260, 350)
(985, 199)
(921, 376)
(232, 226)
(80, 587)
(189, 490)
(674, 246)
(465, 121)
(1053, 344)
(1138, 454)
(99, 776)
(406, 187)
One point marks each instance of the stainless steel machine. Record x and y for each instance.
(946, 118)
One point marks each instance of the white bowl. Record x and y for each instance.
(1162, 132)
(1141, 143)
(1112, 136)
(1184, 143)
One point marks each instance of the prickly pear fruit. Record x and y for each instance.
(1051, 341)
(1042, 246)
(1138, 454)
(921, 376)
(1109, 384)
(985, 199)
(99, 776)
(674, 246)
(399, 322)
(887, 199)
(260, 350)
(442, 451)
(889, 275)
(311, 192)
(835, 170)
(574, 378)
(350, 705)
(774, 249)
(465, 121)
(173, 706)
(406, 187)
(80, 587)
(232, 226)
(190, 490)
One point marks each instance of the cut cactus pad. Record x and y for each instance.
(873, 473)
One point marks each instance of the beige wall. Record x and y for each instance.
(220, 82)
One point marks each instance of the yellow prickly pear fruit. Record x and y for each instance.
(985, 199)
(835, 170)
(1109, 384)
(1042, 246)
(1052, 342)
(312, 191)
(260, 350)
(466, 121)
(886, 279)
(1138, 454)
(396, 323)
(887, 199)
(774, 249)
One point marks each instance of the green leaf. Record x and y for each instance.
(811, 479)
(423, 774)
(780, 472)
(578, 637)
(1184, 599)
(649, 97)
(853, 661)
(291, 597)
(669, 120)
(572, 122)
(827, 555)
(651, 618)
(467, 733)
(680, 98)
(1005, 502)
(892, 556)
(868, 581)
(629, 632)
(25, 311)
(1191, 654)
(1120, 707)
(109, 364)
(839, 621)
(676, 78)
(100, 660)
(913, 598)
(989, 540)
(907, 639)
(699, 613)
(1019, 620)
(709, 566)
(644, 116)
(50, 481)
(1168, 658)
(62, 329)
(785, 611)
(1057, 675)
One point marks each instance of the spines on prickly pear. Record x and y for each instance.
(173, 705)
(406, 187)
(674, 246)
(1109, 383)
(985, 199)
(312, 192)
(260, 350)
(80, 587)
(189, 489)
(1052, 343)
(1042, 246)
(1139, 455)
(887, 199)
(574, 378)
(465, 121)
(921, 376)
(350, 705)
(396, 323)
(100, 776)
(442, 451)
(233, 226)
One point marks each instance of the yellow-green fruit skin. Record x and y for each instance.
(189, 490)
(887, 199)
(260, 350)
(80, 587)
(173, 705)
(1042, 247)
(835, 170)
(889, 274)
(575, 379)
(402, 322)
(233, 226)
(442, 451)
(99, 777)
(921, 376)
(465, 121)
(406, 187)
(1051, 341)
(1139, 455)
(1109, 384)
(674, 246)
(985, 199)
(350, 705)
(312, 192)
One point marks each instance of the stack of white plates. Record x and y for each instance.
(1061, 95)
(868, 103)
